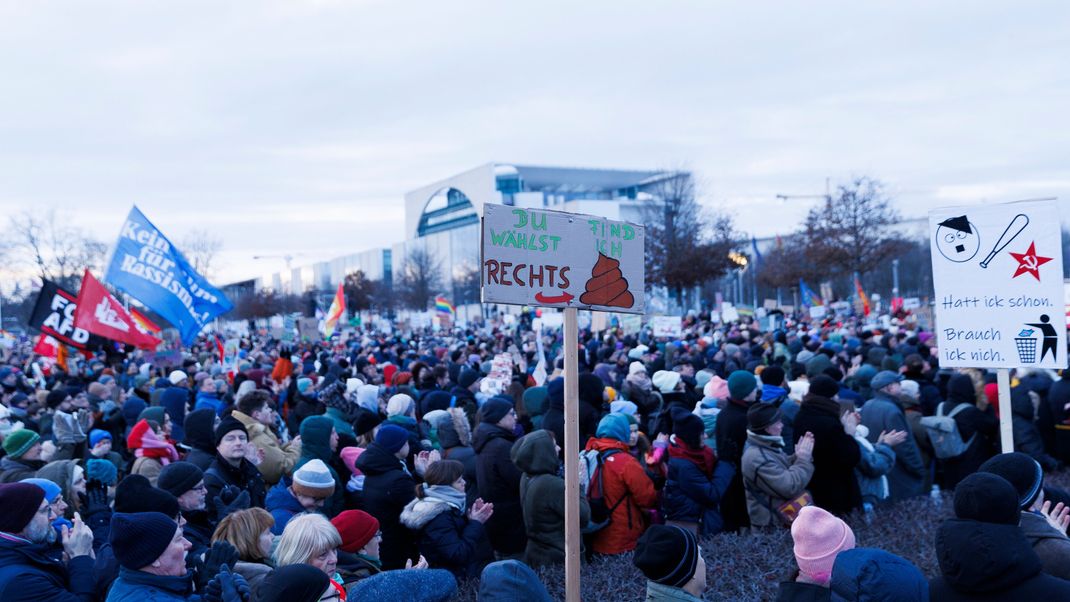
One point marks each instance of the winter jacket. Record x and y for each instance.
(198, 531)
(200, 439)
(447, 538)
(986, 561)
(209, 401)
(316, 445)
(283, 506)
(428, 585)
(279, 460)
(623, 478)
(872, 574)
(13, 471)
(139, 586)
(536, 401)
(1058, 399)
(388, 487)
(28, 573)
(796, 591)
(692, 497)
(640, 392)
(499, 484)
(1026, 436)
(771, 478)
(875, 461)
(731, 431)
(542, 494)
(663, 423)
(1051, 546)
(149, 468)
(883, 413)
(836, 454)
(510, 581)
(554, 419)
(253, 572)
(455, 437)
(245, 477)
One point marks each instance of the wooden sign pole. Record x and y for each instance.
(1006, 426)
(572, 454)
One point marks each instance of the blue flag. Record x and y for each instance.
(757, 253)
(149, 268)
(809, 297)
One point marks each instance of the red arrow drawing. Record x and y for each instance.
(562, 298)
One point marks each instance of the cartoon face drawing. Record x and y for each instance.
(957, 239)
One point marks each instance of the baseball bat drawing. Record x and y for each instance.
(1012, 231)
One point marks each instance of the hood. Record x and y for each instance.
(867, 573)
(604, 444)
(535, 453)
(419, 512)
(511, 580)
(960, 390)
(536, 400)
(279, 497)
(485, 433)
(376, 461)
(60, 472)
(175, 400)
(132, 408)
(200, 430)
(316, 438)
(978, 557)
(455, 432)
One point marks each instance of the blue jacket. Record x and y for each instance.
(691, 497)
(28, 573)
(282, 505)
(412, 585)
(509, 580)
(871, 574)
(209, 401)
(138, 586)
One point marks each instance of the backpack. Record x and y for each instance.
(944, 432)
(591, 484)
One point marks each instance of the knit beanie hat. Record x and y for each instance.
(495, 408)
(636, 368)
(741, 383)
(467, 377)
(313, 479)
(687, 427)
(824, 386)
(987, 498)
(179, 477)
(19, 442)
(717, 388)
(702, 377)
(56, 396)
(614, 426)
(623, 406)
(667, 555)
(356, 527)
(101, 470)
(157, 414)
(773, 375)
(20, 502)
(292, 583)
(177, 377)
(52, 491)
(392, 438)
(136, 494)
(665, 380)
(96, 436)
(349, 457)
(303, 384)
(366, 421)
(399, 405)
(818, 537)
(762, 415)
(139, 539)
(1021, 471)
(227, 425)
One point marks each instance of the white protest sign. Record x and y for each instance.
(911, 303)
(818, 312)
(553, 259)
(729, 313)
(998, 277)
(667, 326)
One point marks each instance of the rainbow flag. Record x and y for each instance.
(809, 297)
(334, 314)
(862, 298)
(143, 323)
(444, 307)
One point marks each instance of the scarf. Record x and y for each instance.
(777, 442)
(702, 457)
(375, 562)
(154, 447)
(446, 493)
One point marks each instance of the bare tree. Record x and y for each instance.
(54, 251)
(466, 284)
(785, 264)
(200, 247)
(686, 245)
(420, 278)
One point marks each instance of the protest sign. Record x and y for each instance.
(818, 312)
(308, 330)
(667, 326)
(910, 303)
(998, 278)
(729, 313)
(53, 315)
(100, 313)
(149, 268)
(553, 259)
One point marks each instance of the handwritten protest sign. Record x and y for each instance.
(554, 259)
(667, 326)
(998, 277)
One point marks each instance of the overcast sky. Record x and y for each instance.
(297, 127)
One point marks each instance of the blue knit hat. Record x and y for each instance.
(96, 435)
(139, 539)
(392, 438)
(52, 491)
(614, 426)
(101, 470)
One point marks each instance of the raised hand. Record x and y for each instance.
(1058, 517)
(892, 438)
(804, 449)
(78, 539)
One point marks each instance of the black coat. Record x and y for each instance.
(27, 573)
(554, 421)
(499, 484)
(668, 401)
(970, 422)
(834, 485)
(387, 488)
(1026, 435)
(1058, 398)
(986, 561)
(731, 435)
(245, 476)
(200, 439)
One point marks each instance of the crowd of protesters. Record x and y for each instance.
(403, 464)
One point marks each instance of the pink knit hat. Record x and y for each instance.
(349, 457)
(818, 537)
(717, 388)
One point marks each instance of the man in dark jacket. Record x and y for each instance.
(731, 437)
(200, 438)
(27, 571)
(884, 413)
(836, 454)
(186, 482)
(388, 487)
(499, 478)
(23, 449)
(231, 469)
(978, 428)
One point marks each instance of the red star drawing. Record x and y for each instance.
(1029, 262)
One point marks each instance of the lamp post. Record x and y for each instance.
(895, 279)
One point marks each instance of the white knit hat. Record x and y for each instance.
(399, 405)
(665, 380)
(177, 377)
(635, 368)
(352, 384)
(314, 480)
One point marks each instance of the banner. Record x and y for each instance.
(147, 266)
(53, 315)
(100, 313)
(338, 307)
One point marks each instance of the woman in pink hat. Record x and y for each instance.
(819, 536)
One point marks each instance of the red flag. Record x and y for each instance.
(102, 314)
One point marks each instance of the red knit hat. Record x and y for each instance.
(133, 440)
(357, 528)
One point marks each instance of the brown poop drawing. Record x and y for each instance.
(607, 285)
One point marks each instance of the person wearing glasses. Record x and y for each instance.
(186, 482)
